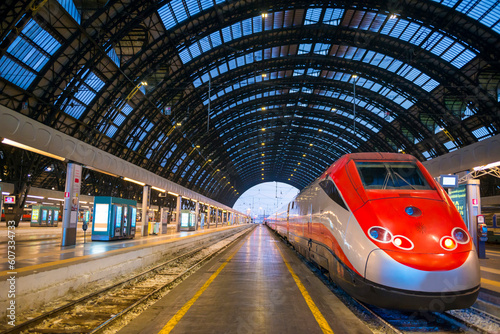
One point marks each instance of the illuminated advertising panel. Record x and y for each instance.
(34, 215)
(184, 219)
(101, 216)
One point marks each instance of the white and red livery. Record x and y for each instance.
(387, 233)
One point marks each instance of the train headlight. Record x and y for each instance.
(402, 242)
(380, 234)
(460, 235)
(448, 243)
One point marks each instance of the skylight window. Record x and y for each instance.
(32, 48)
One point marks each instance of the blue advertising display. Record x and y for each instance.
(459, 197)
(118, 216)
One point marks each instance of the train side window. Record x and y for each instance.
(332, 192)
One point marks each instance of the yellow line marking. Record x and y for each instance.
(323, 324)
(493, 252)
(178, 316)
(84, 257)
(490, 282)
(490, 270)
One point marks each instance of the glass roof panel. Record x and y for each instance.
(485, 11)
(32, 47)
(70, 7)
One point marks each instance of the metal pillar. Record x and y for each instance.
(146, 197)
(209, 216)
(216, 217)
(178, 213)
(473, 207)
(197, 213)
(71, 204)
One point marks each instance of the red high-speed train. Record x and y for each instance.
(387, 233)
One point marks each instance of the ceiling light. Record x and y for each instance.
(264, 75)
(263, 108)
(159, 189)
(134, 181)
(32, 149)
(334, 109)
(263, 144)
(263, 129)
(310, 144)
(320, 130)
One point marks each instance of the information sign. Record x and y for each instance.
(459, 198)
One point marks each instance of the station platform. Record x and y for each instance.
(36, 246)
(257, 286)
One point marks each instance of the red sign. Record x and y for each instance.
(66, 194)
(474, 201)
(77, 180)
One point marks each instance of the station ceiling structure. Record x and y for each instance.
(219, 96)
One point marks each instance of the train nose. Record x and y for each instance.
(381, 268)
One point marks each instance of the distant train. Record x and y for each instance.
(387, 233)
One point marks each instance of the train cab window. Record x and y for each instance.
(391, 175)
(329, 187)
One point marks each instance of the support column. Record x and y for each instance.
(146, 197)
(71, 204)
(216, 217)
(178, 213)
(197, 214)
(209, 215)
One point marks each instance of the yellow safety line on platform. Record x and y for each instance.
(323, 324)
(178, 316)
(84, 257)
(490, 282)
(490, 270)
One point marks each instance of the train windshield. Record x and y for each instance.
(391, 175)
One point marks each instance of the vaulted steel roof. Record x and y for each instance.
(243, 92)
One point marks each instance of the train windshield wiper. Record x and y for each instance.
(404, 180)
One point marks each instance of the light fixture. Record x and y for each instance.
(33, 196)
(171, 193)
(32, 149)
(263, 144)
(264, 75)
(493, 164)
(55, 199)
(334, 109)
(263, 129)
(197, 146)
(159, 189)
(263, 154)
(178, 123)
(134, 181)
(262, 162)
(264, 15)
(263, 108)
(303, 155)
(320, 130)
(393, 16)
(310, 144)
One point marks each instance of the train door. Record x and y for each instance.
(309, 222)
(288, 222)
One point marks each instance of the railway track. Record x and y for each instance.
(97, 312)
